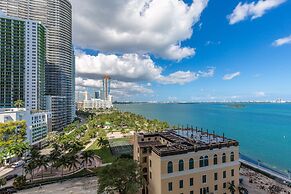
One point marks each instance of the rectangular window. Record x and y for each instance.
(181, 184)
(204, 179)
(232, 172)
(215, 187)
(170, 186)
(215, 176)
(191, 192)
(150, 163)
(150, 175)
(224, 185)
(144, 159)
(191, 181)
(224, 174)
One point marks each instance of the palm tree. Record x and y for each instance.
(54, 155)
(19, 103)
(231, 187)
(72, 161)
(62, 162)
(29, 169)
(34, 153)
(102, 142)
(87, 156)
(42, 162)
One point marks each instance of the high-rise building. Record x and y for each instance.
(106, 87)
(189, 162)
(22, 63)
(56, 16)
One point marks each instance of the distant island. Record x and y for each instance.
(236, 105)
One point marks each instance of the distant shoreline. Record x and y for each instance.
(201, 103)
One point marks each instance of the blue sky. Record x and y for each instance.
(246, 48)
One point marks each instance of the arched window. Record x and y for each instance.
(191, 163)
(231, 156)
(223, 158)
(145, 170)
(206, 161)
(181, 165)
(170, 167)
(201, 161)
(215, 159)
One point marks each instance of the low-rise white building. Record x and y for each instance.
(97, 104)
(38, 123)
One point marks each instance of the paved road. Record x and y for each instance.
(85, 185)
(10, 171)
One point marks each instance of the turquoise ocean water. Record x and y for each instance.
(263, 130)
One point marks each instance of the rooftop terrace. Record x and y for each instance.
(180, 141)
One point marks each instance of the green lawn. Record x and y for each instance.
(124, 139)
(103, 152)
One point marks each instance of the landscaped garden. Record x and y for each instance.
(79, 146)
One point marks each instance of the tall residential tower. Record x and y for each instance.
(22, 63)
(106, 87)
(56, 16)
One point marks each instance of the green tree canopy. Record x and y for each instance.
(12, 138)
(123, 176)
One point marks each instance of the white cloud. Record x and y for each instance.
(209, 42)
(231, 76)
(282, 41)
(200, 25)
(253, 10)
(208, 73)
(179, 77)
(131, 68)
(127, 67)
(260, 94)
(131, 26)
(183, 77)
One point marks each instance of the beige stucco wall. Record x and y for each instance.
(158, 183)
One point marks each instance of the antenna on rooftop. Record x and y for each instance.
(223, 137)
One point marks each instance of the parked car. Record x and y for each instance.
(10, 176)
(11, 190)
(18, 164)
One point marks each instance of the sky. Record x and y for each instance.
(191, 50)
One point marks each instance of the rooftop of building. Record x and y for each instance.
(180, 141)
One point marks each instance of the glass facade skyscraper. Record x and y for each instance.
(22, 63)
(56, 16)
